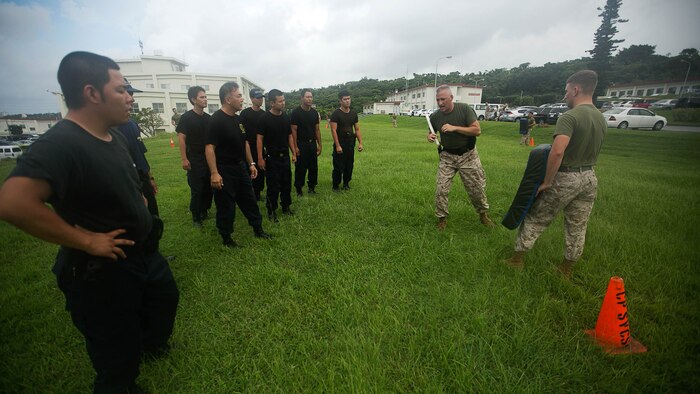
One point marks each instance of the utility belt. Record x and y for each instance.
(575, 169)
(309, 141)
(277, 155)
(457, 151)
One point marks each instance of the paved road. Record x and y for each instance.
(693, 129)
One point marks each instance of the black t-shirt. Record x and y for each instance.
(93, 183)
(345, 121)
(249, 119)
(225, 133)
(306, 122)
(194, 127)
(275, 130)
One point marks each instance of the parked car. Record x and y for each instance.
(623, 118)
(663, 104)
(554, 113)
(688, 102)
(541, 115)
(514, 115)
(10, 152)
(415, 112)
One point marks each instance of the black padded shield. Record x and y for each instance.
(527, 191)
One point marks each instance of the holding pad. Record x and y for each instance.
(527, 191)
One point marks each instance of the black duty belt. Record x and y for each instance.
(278, 154)
(575, 169)
(312, 140)
(458, 152)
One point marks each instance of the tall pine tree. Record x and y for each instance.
(605, 44)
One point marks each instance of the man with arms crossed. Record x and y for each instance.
(570, 184)
(307, 136)
(191, 130)
(345, 128)
(249, 120)
(458, 127)
(119, 290)
(231, 166)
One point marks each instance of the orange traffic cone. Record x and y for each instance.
(532, 141)
(612, 331)
(172, 143)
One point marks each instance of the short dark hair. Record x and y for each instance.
(79, 69)
(304, 91)
(273, 94)
(193, 92)
(586, 79)
(343, 93)
(226, 89)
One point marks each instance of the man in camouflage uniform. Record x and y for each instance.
(570, 184)
(458, 127)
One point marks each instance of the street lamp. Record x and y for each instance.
(476, 82)
(436, 64)
(686, 76)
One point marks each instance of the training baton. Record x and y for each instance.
(437, 142)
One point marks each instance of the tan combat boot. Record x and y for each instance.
(517, 260)
(566, 268)
(442, 223)
(484, 219)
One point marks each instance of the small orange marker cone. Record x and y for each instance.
(612, 331)
(172, 143)
(532, 141)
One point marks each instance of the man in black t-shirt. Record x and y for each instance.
(191, 130)
(231, 166)
(119, 290)
(275, 135)
(250, 117)
(307, 138)
(345, 128)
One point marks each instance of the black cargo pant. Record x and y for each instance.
(237, 190)
(123, 308)
(198, 179)
(259, 181)
(279, 181)
(307, 160)
(343, 163)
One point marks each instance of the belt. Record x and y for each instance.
(309, 141)
(278, 155)
(575, 169)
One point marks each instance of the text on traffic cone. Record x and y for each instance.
(612, 331)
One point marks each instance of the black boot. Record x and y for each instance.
(260, 233)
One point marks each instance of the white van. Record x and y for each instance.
(480, 110)
(10, 152)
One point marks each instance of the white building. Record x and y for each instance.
(383, 107)
(164, 82)
(32, 124)
(648, 88)
(423, 97)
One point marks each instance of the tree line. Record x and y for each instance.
(521, 85)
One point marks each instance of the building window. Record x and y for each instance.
(659, 90)
(32, 129)
(185, 87)
(150, 86)
(672, 90)
(165, 86)
(629, 92)
(158, 108)
(181, 107)
(613, 94)
(414, 95)
(205, 87)
(176, 67)
(212, 108)
(134, 107)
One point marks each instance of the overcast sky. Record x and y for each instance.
(290, 44)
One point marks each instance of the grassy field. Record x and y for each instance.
(359, 293)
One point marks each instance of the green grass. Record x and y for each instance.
(359, 292)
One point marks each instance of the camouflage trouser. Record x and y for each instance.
(524, 138)
(573, 192)
(469, 167)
